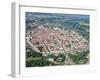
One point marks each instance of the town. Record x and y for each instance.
(54, 39)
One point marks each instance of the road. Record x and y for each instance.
(32, 46)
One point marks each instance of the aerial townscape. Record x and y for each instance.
(54, 39)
